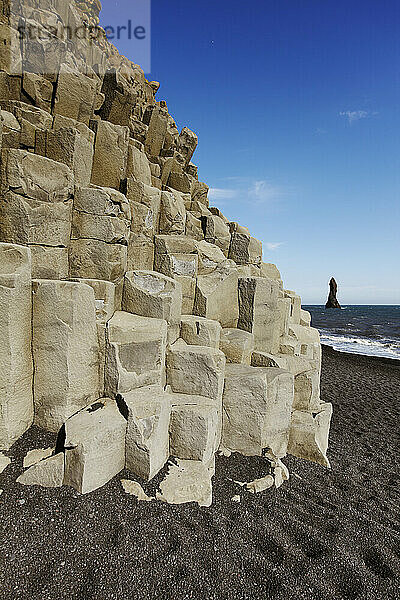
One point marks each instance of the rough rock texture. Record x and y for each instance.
(119, 281)
(332, 301)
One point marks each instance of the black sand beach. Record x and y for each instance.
(321, 536)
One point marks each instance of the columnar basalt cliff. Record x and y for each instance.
(135, 319)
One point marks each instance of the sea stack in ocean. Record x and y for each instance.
(135, 319)
(332, 299)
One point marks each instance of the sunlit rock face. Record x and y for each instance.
(135, 320)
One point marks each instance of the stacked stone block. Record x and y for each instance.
(134, 318)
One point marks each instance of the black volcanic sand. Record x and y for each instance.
(323, 535)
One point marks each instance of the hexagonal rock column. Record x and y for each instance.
(94, 446)
(194, 427)
(152, 294)
(135, 354)
(65, 350)
(147, 438)
(259, 312)
(16, 367)
(257, 407)
(309, 434)
(217, 295)
(195, 370)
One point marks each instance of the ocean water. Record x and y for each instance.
(362, 329)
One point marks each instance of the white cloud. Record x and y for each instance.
(356, 115)
(221, 193)
(263, 191)
(273, 245)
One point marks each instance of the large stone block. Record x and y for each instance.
(32, 122)
(187, 144)
(259, 312)
(210, 257)
(65, 350)
(199, 331)
(173, 213)
(197, 370)
(187, 481)
(49, 262)
(216, 232)
(140, 253)
(237, 345)
(309, 434)
(36, 177)
(103, 202)
(257, 407)
(67, 145)
(194, 427)
(110, 154)
(147, 437)
(76, 95)
(245, 249)
(94, 446)
(135, 355)
(27, 221)
(138, 165)
(152, 294)
(157, 131)
(95, 259)
(16, 367)
(216, 295)
(111, 230)
(180, 266)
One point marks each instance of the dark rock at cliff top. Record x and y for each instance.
(332, 300)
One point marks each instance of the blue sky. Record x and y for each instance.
(296, 105)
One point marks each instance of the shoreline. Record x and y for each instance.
(384, 359)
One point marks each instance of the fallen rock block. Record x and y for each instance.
(94, 446)
(135, 354)
(47, 473)
(257, 407)
(147, 437)
(194, 427)
(237, 345)
(133, 488)
(187, 481)
(260, 485)
(199, 331)
(34, 456)
(309, 434)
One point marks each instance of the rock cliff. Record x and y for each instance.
(135, 319)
